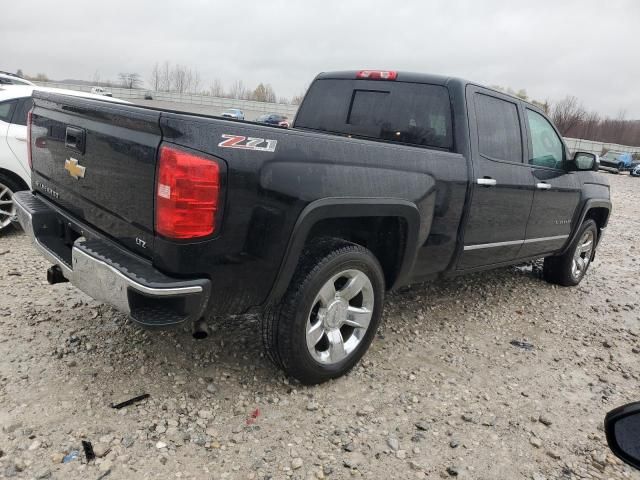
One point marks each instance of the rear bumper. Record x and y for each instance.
(108, 273)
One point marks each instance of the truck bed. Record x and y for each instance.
(270, 175)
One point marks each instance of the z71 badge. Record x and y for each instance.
(248, 143)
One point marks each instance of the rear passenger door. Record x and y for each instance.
(502, 190)
(557, 192)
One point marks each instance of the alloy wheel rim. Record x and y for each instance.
(340, 316)
(7, 208)
(582, 255)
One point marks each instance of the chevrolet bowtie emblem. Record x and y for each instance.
(75, 170)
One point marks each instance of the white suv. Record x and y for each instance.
(7, 78)
(15, 175)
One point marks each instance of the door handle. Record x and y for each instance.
(21, 139)
(487, 182)
(543, 186)
(75, 139)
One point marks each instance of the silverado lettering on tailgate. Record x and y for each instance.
(248, 143)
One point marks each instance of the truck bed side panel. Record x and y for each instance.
(267, 191)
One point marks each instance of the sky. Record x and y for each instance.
(585, 48)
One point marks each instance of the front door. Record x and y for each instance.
(502, 191)
(557, 192)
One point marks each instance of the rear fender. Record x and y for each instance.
(329, 208)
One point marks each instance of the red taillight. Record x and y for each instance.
(29, 140)
(377, 74)
(187, 193)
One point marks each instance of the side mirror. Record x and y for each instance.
(586, 161)
(622, 428)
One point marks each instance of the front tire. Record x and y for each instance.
(570, 268)
(329, 315)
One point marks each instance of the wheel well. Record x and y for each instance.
(384, 236)
(600, 215)
(15, 178)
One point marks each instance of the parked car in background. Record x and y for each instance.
(636, 171)
(15, 174)
(276, 119)
(234, 113)
(101, 91)
(7, 78)
(616, 161)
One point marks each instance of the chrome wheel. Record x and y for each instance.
(582, 255)
(340, 316)
(7, 208)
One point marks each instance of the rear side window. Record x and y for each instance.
(499, 135)
(412, 113)
(20, 115)
(6, 110)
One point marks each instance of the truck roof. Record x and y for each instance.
(430, 78)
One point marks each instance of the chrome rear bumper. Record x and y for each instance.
(108, 273)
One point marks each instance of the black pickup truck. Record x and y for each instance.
(386, 178)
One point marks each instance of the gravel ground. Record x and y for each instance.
(442, 392)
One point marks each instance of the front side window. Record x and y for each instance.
(499, 135)
(546, 146)
(6, 110)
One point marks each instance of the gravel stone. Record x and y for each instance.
(441, 380)
(393, 443)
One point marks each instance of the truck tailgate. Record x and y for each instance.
(97, 160)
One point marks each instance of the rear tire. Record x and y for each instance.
(329, 315)
(570, 268)
(8, 187)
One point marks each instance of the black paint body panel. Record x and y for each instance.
(271, 200)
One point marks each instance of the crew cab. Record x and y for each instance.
(386, 178)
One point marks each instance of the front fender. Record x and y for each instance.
(588, 205)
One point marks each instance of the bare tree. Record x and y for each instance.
(96, 77)
(270, 94)
(156, 77)
(574, 121)
(165, 77)
(179, 80)
(567, 114)
(130, 80)
(297, 99)
(194, 86)
(522, 93)
(238, 91)
(216, 89)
